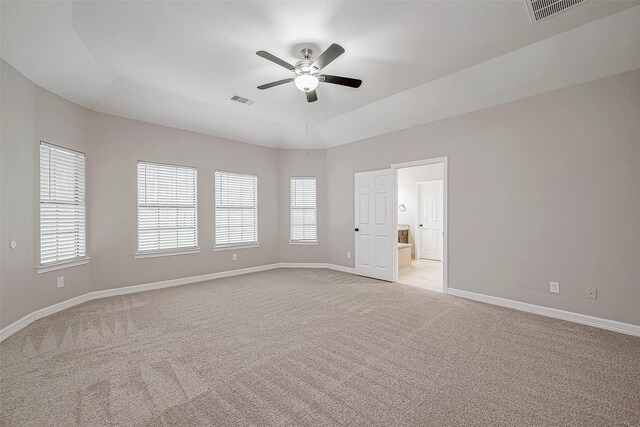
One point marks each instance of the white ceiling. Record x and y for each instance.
(178, 63)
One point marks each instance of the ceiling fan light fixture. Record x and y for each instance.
(306, 72)
(306, 82)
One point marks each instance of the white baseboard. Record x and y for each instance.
(25, 321)
(304, 265)
(612, 325)
(342, 268)
(318, 265)
(598, 322)
(182, 281)
(46, 311)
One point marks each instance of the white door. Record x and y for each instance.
(375, 234)
(430, 219)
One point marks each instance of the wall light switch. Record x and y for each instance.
(234, 257)
(592, 293)
(554, 287)
(349, 254)
(61, 282)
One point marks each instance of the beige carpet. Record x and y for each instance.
(313, 347)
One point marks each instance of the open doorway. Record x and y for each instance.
(421, 224)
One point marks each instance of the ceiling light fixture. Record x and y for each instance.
(307, 71)
(306, 82)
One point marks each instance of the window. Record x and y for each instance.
(62, 215)
(236, 209)
(167, 202)
(304, 215)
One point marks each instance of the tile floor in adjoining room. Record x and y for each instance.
(423, 273)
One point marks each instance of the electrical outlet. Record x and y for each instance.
(592, 293)
(234, 257)
(554, 287)
(349, 254)
(61, 282)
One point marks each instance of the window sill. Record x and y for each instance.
(60, 265)
(304, 242)
(232, 247)
(142, 255)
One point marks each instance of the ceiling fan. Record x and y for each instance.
(307, 71)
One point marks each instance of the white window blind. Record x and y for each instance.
(304, 213)
(62, 210)
(167, 207)
(236, 209)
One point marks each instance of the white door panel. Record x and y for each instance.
(374, 241)
(364, 210)
(364, 246)
(381, 209)
(430, 225)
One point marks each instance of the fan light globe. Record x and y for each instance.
(306, 82)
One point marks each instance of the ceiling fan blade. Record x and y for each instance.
(275, 59)
(312, 96)
(272, 84)
(328, 56)
(339, 80)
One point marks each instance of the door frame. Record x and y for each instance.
(445, 216)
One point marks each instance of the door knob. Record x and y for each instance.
(357, 229)
(420, 225)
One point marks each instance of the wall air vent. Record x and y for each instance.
(542, 9)
(242, 100)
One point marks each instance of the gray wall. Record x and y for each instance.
(31, 114)
(541, 189)
(116, 146)
(112, 146)
(545, 188)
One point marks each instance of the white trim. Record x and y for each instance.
(329, 266)
(43, 312)
(598, 322)
(342, 268)
(25, 321)
(62, 264)
(142, 255)
(445, 198)
(419, 163)
(228, 248)
(303, 242)
(304, 265)
(19, 324)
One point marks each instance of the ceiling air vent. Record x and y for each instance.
(242, 100)
(542, 9)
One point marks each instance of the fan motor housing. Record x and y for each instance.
(305, 67)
